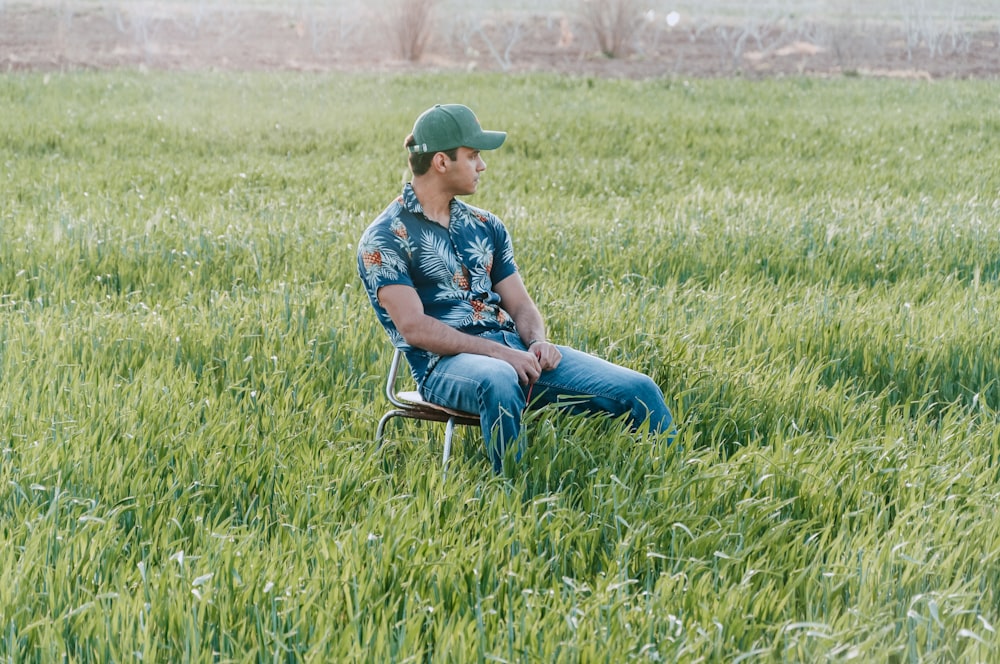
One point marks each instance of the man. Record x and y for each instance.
(441, 276)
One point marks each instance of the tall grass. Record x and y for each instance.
(190, 375)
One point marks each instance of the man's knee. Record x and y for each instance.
(500, 384)
(647, 391)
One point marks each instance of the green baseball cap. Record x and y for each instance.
(449, 126)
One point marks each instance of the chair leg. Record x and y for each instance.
(449, 432)
(380, 430)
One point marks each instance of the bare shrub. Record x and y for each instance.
(408, 23)
(500, 37)
(309, 21)
(732, 40)
(922, 28)
(137, 20)
(613, 23)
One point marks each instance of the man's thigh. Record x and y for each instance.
(582, 374)
(459, 381)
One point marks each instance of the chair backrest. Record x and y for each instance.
(390, 382)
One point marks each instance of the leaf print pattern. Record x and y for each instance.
(438, 261)
(482, 251)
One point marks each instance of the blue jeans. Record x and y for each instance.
(581, 383)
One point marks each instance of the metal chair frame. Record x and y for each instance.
(410, 405)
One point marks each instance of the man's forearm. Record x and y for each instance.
(439, 338)
(530, 325)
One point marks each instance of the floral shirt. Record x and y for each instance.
(452, 269)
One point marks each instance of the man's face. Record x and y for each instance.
(463, 173)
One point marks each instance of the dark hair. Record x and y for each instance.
(420, 162)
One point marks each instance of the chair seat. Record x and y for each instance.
(414, 399)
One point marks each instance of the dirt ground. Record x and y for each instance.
(64, 35)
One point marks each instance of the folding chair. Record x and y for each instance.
(412, 406)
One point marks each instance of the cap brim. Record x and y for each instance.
(488, 140)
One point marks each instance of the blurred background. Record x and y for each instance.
(628, 38)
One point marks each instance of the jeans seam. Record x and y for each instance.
(566, 388)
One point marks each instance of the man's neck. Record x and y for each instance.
(435, 203)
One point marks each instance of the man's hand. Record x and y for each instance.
(548, 355)
(526, 365)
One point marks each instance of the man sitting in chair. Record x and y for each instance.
(441, 276)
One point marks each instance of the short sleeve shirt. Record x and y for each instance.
(452, 269)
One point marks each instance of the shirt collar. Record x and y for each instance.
(410, 202)
(409, 199)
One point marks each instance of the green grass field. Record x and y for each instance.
(190, 375)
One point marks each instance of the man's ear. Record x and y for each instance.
(439, 162)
